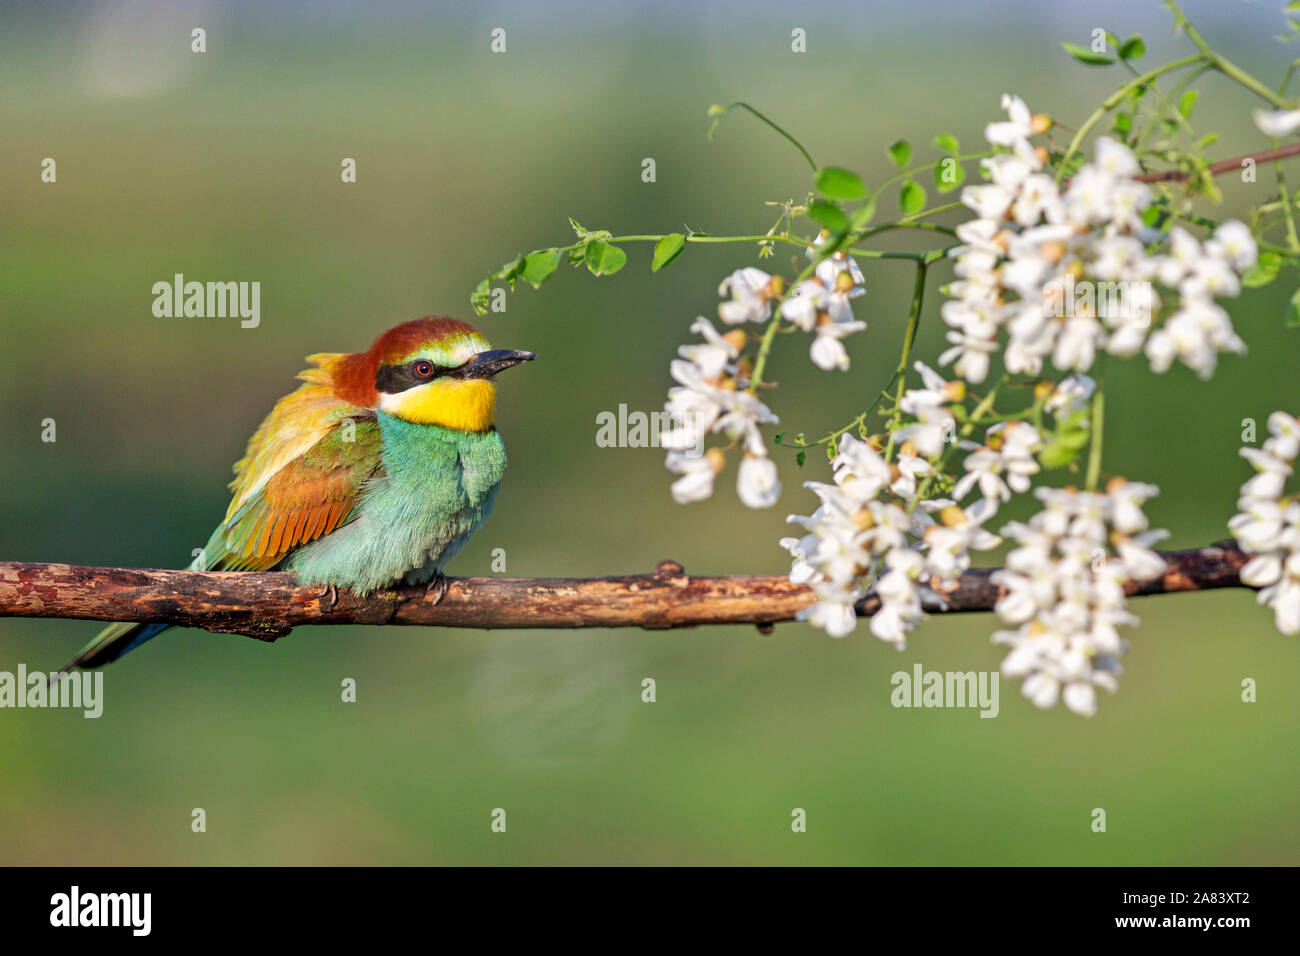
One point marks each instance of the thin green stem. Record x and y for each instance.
(1096, 427)
(1114, 100)
(718, 112)
(1223, 64)
(913, 323)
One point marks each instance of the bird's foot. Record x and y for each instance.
(437, 587)
(331, 592)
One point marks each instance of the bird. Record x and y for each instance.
(372, 473)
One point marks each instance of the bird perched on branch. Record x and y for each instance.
(375, 471)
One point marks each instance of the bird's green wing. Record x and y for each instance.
(307, 497)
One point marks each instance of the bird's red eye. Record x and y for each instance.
(423, 369)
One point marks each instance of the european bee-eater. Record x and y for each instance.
(375, 471)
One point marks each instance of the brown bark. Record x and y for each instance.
(1223, 165)
(269, 605)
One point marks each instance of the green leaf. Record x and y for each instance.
(604, 259)
(1263, 271)
(1123, 122)
(539, 265)
(948, 175)
(577, 227)
(1293, 311)
(800, 458)
(901, 153)
(667, 249)
(829, 215)
(1085, 55)
(912, 198)
(510, 271)
(947, 142)
(838, 183)
(1133, 48)
(1070, 438)
(1187, 102)
(480, 296)
(1062, 450)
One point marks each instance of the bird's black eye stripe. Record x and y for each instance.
(398, 378)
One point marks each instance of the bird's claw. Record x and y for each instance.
(438, 585)
(331, 592)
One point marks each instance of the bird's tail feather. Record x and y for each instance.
(112, 642)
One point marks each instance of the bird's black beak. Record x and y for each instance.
(487, 364)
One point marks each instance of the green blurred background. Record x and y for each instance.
(226, 166)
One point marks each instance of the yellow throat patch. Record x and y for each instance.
(463, 405)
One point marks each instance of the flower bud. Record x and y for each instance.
(736, 338)
(844, 281)
(775, 287)
(1040, 123)
(1053, 251)
(954, 391)
(952, 517)
(863, 519)
(716, 459)
(1043, 389)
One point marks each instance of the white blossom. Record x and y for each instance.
(749, 293)
(1267, 525)
(1064, 588)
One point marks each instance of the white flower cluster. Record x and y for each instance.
(1067, 274)
(1065, 589)
(1268, 525)
(821, 305)
(711, 395)
(856, 534)
(708, 399)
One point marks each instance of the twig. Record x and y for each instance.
(268, 605)
(1223, 166)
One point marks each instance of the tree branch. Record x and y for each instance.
(268, 605)
(1223, 165)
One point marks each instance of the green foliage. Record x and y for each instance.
(667, 249)
(834, 182)
(603, 258)
(911, 198)
(828, 214)
(1133, 48)
(900, 153)
(1070, 438)
(539, 265)
(1085, 55)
